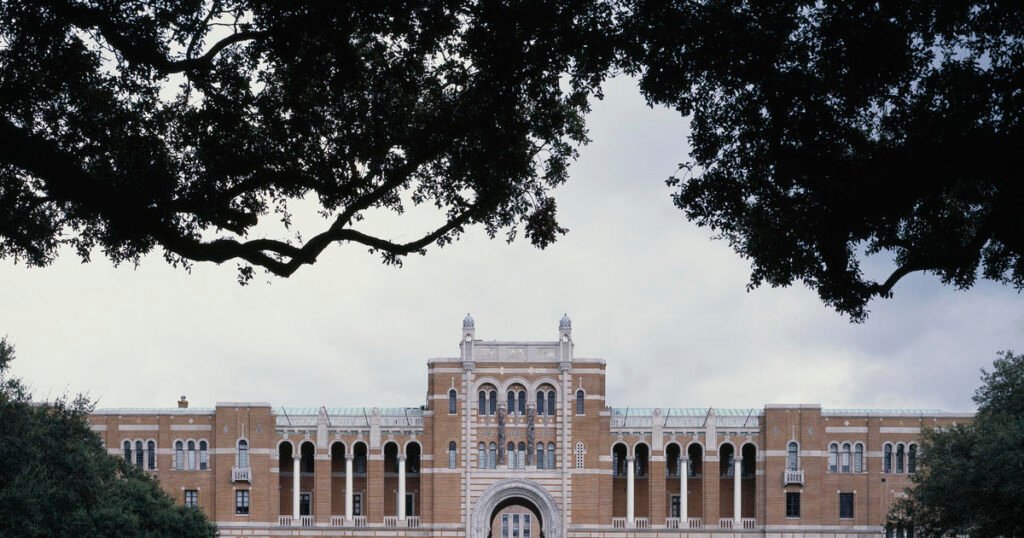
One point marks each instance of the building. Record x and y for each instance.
(517, 440)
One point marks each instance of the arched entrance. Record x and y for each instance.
(516, 491)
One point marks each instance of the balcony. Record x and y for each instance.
(746, 523)
(638, 523)
(241, 474)
(303, 521)
(791, 476)
(695, 523)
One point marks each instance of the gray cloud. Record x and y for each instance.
(649, 292)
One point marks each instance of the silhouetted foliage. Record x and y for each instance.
(971, 476)
(127, 126)
(57, 479)
(823, 132)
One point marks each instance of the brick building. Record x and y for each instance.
(516, 440)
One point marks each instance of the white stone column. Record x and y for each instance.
(737, 499)
(401, 488)
(295, 486)
(348, 487)
(630, 490)
(684, 471)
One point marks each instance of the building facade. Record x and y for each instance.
(516, 440)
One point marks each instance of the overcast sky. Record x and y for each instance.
(649, 292)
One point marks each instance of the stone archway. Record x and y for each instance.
(505, 491)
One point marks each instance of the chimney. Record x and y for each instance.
(182, 403)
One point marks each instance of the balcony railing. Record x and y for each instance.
(725, 523)
(241, 474)
(307, 521)
(390, 521)
(749, 523)
(358, 521)
(413, 522)
(695, 523)
(284, 521)
(791, 476)
(638, 523)
(337, 521)
(671, 522)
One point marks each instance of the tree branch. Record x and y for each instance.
(140, 52)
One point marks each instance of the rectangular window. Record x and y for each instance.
(242, 502)
(792, 504)
(526, 525)
(305, 500)
(515, 525)
(674, 510)
(357, 504)
(504, 526)
(410, 504)
(191, 498)
(846, 505)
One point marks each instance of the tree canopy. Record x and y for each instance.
(58, 480)
(128, 126)
(822, 133)
(970, 476)
(827, 131)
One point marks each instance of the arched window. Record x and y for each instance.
(833, 458)
(540, 456)
(360, 453)
(844, 462)
(492, 456)
(695, 453)
(481, 456)
(511, 402)
(151, 454)
(551, 403)
(858, 458)
(900, 453)
(727, 458)
(204, 458)
(451, 402)
(191, 455)
(128, 451)
(581, 449)
(641, 458)
(521, 455)
(243, 453)
(452, 454)
(481, 406)
(887, 459)
(579, 402)
(551, 456)
(522, 402)
(793, 456)
(493, 403)
(540, 402)
(912, 459)
(140, 455)
(511, 455)
(179, 455)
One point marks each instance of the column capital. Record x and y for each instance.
(401, 457)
